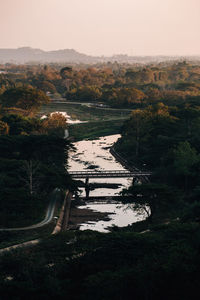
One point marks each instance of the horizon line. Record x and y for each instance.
(102, 55)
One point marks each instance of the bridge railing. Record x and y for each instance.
(108, 173)
(101, 171)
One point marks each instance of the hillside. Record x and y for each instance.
(30, 55)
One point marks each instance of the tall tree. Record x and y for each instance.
(185, 158)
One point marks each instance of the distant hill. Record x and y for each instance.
(31, 55)
(27, 54)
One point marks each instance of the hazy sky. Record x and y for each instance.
(103, 27)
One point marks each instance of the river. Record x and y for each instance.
(95, 155)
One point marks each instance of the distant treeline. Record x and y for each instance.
(113, 84)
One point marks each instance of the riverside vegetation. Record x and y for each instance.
(155, 259)
(32, 157)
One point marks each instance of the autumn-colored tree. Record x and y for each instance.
(46, 86)
(4, 128)
(55, 124)
(85, 93)
(154, 94)
(126, 96)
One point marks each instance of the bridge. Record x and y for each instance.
(108, 174)
(135, 174)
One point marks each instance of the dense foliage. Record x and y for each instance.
(33, 154)
(161, 264)
(166, 141)
(113, 84)
(25, 100)
(31, 167)
(155, 259)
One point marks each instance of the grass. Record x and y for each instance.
(9, 238)
(85, 113)
(93, 130)
(101, 122)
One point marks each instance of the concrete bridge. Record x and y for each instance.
(108, 174)
(143, 176)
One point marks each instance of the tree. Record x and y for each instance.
(65, 72)
(136, 130)
(151, 198)
(46, 86)
(55, 124)
(146, 135)
(140, 127)
(190, 117)
(30, 178)
(86, 93)
(153, 94)
(27, 99)
(185, 158)
(4, 128)
(125, 96)
(21, 125)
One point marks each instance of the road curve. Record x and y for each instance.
(48, 218)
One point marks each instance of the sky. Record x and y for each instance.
(103, 27)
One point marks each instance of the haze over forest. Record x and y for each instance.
(30, 55)
(103, 27)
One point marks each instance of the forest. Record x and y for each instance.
(158, 258)
(33, 154)
(116, 85)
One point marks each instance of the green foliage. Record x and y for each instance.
(152, 199)
(27, 100)
(92, 130)
(161, 264)
(21, 125)
(147, 133)
(166, 141)
(31, 167)
(185, 157)
(191, 212)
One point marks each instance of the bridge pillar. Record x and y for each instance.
(87, 187)
(134, 180)
(87, 192)
(86, 181)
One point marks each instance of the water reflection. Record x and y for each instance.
(95, 155)
(120, 215)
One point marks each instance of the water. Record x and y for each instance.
(120, 215)
(96, 154)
